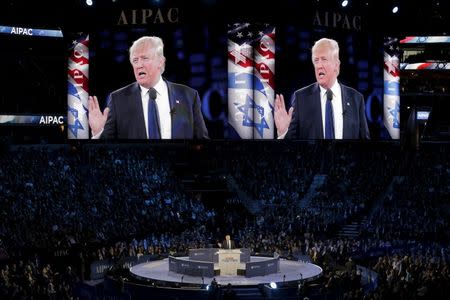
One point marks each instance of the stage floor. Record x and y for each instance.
(289, 271)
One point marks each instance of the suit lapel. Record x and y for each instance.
(346, 112)
(317, 110)
(171, 94)
(140, 131)
(172, 98)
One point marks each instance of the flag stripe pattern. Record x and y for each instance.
(251, 79)
(78, 89)
(391, 98)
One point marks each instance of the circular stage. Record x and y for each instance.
(289, 271)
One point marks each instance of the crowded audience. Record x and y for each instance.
(102, 203)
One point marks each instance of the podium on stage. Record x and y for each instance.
(229, 261)
(211, 262)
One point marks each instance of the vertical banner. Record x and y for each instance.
(77, 89)
(251, 66)
(264, 55)
(240, 79)
(391, 98)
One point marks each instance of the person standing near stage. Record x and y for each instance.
(228, 243)
(229, 293)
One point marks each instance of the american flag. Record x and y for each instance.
(251, 75)
(425, 39)
(426, 66)
(391, 75)
(77, 89)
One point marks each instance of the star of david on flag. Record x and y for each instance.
(391, 97)
(251, 75)
(77, 89)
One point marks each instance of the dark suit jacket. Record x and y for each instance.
(126, 116)
(225, 245)
(306, 120)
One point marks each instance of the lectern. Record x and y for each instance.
(229, 261)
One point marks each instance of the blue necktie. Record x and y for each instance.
(153, 120)
(329, 118)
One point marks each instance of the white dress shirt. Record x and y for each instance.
(337, 109)
(162, 101)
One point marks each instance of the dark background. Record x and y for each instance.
(195, 47)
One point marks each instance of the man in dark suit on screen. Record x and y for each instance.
(151, 107)
(326, 109)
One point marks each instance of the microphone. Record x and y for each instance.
(329, 95)
(152, 93)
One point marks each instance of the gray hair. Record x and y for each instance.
(154, 42)
(330, 44)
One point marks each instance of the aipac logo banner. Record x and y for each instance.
(77, 89)
(391, 98)
(30, 31)
(251, 77)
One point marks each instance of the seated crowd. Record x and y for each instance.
(108, 202)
